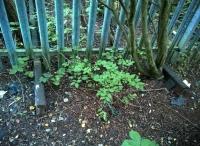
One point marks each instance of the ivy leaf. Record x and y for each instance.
(43, 79)
(129, 143)
(29, 74)
(147, 142)
(134, 135)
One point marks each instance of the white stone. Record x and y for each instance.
(48, 130)
(66, 100)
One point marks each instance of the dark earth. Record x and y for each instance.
(71, 118)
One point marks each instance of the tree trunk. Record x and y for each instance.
(162, 40)
(11, 11)
(153, 71)
(132, 42)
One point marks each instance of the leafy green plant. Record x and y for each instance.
(108, 76)
(80, 71)
(54, 78)
(112, 80)
(45, 77)
(137, 140)
(127, 99)
(102, 114)
(58, 76)
(21, 67)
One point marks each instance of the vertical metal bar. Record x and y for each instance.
(42, 23)
(118, 33)
(185, 22)
(138, 12)
(190, 29)
(7, 34)
(175, 15)
(91, 25)
(59, 28)
(24, 25)
(152, 10)
(76, 23)
(106, 27)
(1, 64)
(33, 22)
(194, 39)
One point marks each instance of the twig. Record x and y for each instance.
(13, 102)
(150, 90)
(124, 8)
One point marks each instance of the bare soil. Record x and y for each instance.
(71, 118)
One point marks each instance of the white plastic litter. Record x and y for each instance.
(187, 83)
(2, 93)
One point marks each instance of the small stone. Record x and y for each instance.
(48, 130)
(31, 108)
(60, 119)
(88, 131)
(152, 127)
(46, 124)
(66, 100)
(83, 123)
(100, 144)
(64, 134)
(53, 120)
(169, 138)
(73, 141)
(17, 121)
(101, 135)
(11, 139)
(17, 136)
(149, 111)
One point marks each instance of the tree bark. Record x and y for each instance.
(162, 40)
(153, 71)
(132, 41)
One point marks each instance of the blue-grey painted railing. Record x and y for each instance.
(190, 29)
(106, 27)
(91, 26)
(153, 8)
(7, 34)
(24, 25)
(176, 14)
(183, 35)
(1, 64)
(76, 23)
(194, 39)
(59, 28)
(43, 31)
(187, 18)
(138, 12)
(122, 18)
